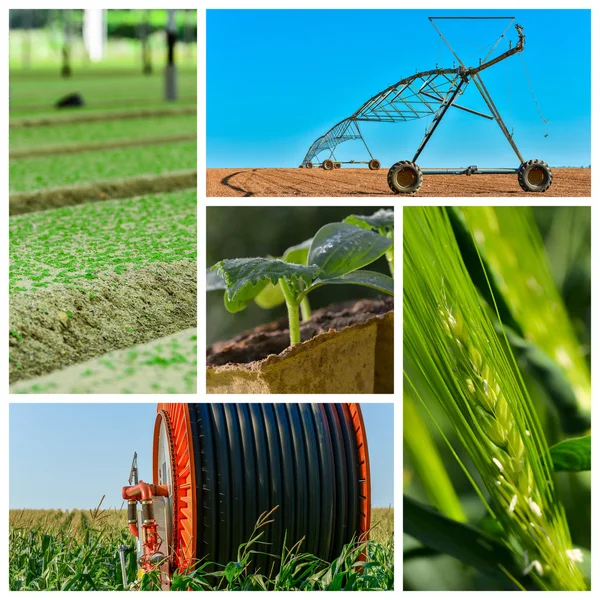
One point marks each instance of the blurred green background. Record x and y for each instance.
(566, 232)
(241, 232)
(37, 37)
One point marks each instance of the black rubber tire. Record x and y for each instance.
(309, 165)
(535, 176)
(327, 165)
(405, 177)
(374, 165)
(337, 165)
(252, 457)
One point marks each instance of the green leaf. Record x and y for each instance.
(247, 277)
(232, 571)
(214, 281)
(371, 279)
(477, 271)
(572, 455)
(382, 219)
(464, 542)
(340, 248)
(299, 253)
(272, 296)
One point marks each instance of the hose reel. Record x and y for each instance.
(218, 467)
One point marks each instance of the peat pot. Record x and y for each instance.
(346, 348)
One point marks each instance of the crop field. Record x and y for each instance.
(78, 550)
(102, 234)
(36, 92)
(56, 171)
(34, 139)
(362, 182)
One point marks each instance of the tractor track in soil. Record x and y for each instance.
(362, 182)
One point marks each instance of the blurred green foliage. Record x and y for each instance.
(241, 232)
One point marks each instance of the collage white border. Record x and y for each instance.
(201, 6)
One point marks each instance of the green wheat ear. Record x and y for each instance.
(454, 357)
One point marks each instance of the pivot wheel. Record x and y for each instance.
(309, 165)
(374, 165)
(535, 176)
(405, 177)
(327, 165)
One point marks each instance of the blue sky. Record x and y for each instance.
(70, 455)
(278, 79)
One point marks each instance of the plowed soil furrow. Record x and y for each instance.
(362, 182)
(59, 326)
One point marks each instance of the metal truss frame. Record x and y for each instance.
(425, 94)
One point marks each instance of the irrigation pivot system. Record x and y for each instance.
(217, 468)
(430, 94)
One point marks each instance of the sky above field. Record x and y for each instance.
(278, 79)
(70, 455)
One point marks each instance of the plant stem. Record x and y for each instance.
(305, 309)
(293, 316)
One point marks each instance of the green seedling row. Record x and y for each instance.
(62, 170)
(118, 129)
(72, 245)
(164, 366)
(94, 87)
(104, 105)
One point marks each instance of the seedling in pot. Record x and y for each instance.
(336, 255)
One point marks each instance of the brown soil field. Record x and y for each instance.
(362, 182)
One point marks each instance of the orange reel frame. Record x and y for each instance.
(176, 418)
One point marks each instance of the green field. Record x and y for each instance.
(56, 171)
(103, 290)
(78, 550)
(37, 92)
(118, 129)
(74, 244)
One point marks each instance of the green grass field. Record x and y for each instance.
(118, 129)
(78, 550)
(55, 171)
(74, 244)
(102, 290)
